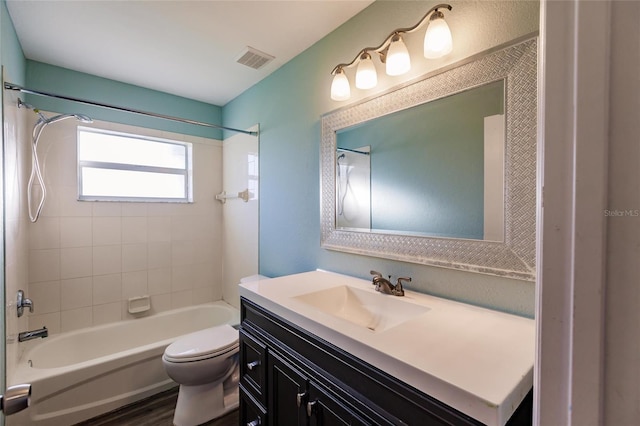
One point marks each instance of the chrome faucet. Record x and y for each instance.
(33, 334)
(22, 303)
(384, 285)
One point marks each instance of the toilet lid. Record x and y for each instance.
(202, 344)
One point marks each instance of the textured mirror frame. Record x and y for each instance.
(515, 256)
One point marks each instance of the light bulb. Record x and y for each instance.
(437, 40)
(340, 90)
(398, 61)
(366, 76)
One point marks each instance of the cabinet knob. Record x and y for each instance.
(252, 365)
(301, 397)
(310, 407)
(256, 422)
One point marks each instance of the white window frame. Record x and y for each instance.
(186, 171)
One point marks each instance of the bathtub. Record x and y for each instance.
(81, 374)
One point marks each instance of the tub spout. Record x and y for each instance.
(33, 334)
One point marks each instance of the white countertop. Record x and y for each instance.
(475, 360)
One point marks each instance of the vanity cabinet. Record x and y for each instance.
(288, 376)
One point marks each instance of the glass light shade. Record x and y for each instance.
(340, 90)
(398, 61)
(437, 40)
(366, 76)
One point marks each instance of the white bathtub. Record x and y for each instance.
(84, 373)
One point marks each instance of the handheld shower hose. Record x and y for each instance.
(36, 171)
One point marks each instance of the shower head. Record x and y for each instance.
(21, 104)
(341, 156)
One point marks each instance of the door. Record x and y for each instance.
(16, 398)
(287, 393)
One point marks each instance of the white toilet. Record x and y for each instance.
(205, 365)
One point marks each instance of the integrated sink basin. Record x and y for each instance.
(374, 311)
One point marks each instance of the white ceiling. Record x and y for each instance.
(186, 48)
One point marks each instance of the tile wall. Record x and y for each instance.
(86, 259)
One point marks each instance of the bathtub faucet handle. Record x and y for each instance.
(22, 303)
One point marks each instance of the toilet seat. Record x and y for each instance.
(203, 344)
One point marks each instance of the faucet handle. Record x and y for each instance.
(399, 291)
(23, 302)
(376, 274)
(407, 279)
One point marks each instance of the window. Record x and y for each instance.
(115, 166)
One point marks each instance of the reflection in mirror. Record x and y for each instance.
(434, 169)
(353, 188)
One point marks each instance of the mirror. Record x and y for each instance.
(434, 169)
(432, 195)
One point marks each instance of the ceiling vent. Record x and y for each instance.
(253, 58)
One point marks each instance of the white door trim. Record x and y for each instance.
(572, 178)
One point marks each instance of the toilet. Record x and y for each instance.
(205, 365)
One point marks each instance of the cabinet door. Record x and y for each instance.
(287, 393)
(325, 410)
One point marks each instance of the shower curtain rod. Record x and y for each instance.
(11, 86)
(353, 150)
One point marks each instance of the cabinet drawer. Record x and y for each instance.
(251, 412)
(253, 362)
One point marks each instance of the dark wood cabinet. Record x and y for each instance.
(291, 377)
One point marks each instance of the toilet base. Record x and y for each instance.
(202, 403)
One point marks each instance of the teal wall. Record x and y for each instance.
(13, 59)
(288, 105)
(62, 81)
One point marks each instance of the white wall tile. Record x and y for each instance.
(76, 262)
(134, 209)
(183, 253)
(45, 297)
(76, 319)
(51, 321)
(134, 257)
(107, 208)
(160, 302)
(159, 281)
(76, 232)
(45, 233)
(181, 299)
(158, 254)
(76, 293)
(134, 284)
(107, 288)
(203, 295)
(182, 278)
(44, 265)
(107, 259)
(206, 275)
(85, 259)
(158, 228)
(109, 312)
(134, 229)
(107, 231)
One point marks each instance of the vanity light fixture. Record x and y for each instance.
(394, 54)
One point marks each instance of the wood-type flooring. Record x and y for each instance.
(153, 411)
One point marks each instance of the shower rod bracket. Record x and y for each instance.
(15, 87)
